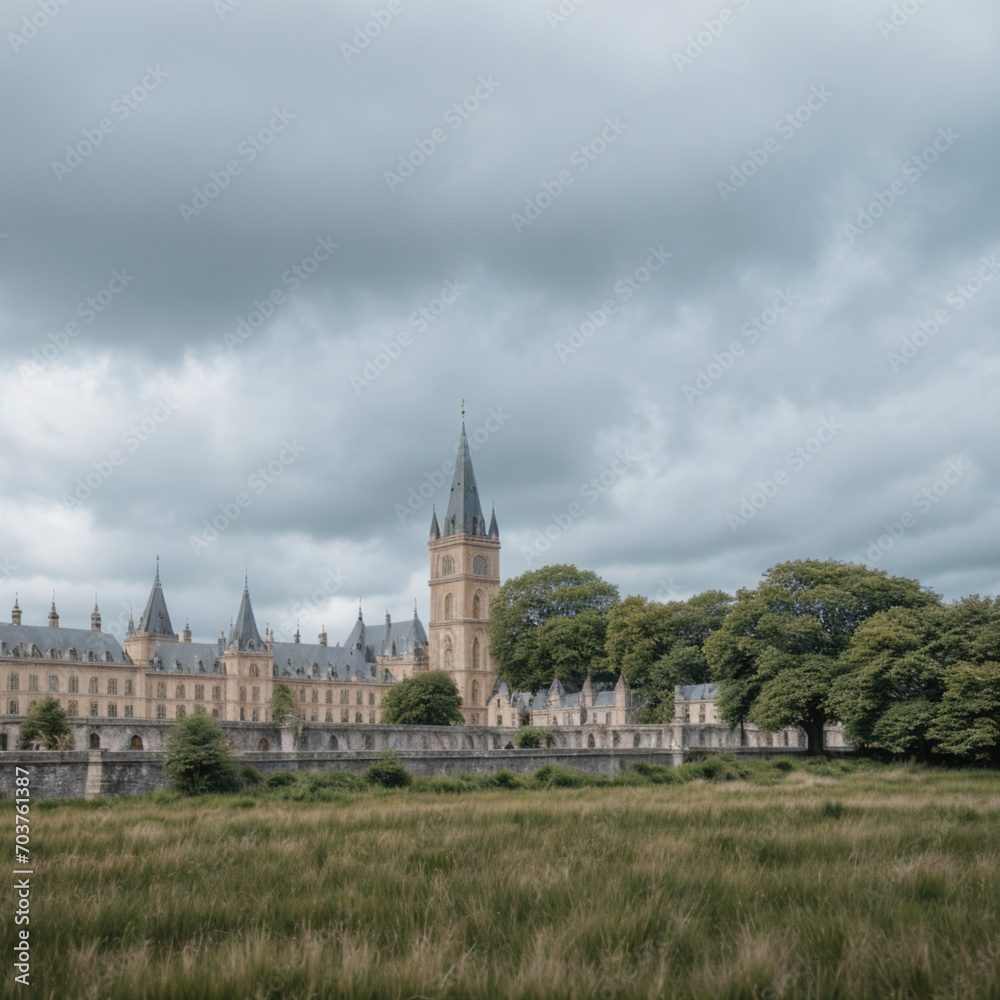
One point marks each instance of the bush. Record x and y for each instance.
(532, 738)
(250, 777)
(556, 776)
(388, 772)
(504, 779)
(281, 779)
(656, 773)
(198, 759)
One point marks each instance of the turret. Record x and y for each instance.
(15, 613)
(53, 614)
(95, 617)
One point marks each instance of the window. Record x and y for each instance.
(255, 715)
(479, 566)
(475, 655)
(13, 682)
(161, 711)
(329, 715)
(255, 694)
(449, 606)
(302, 694)
(13, 708)
(345, 697)
(128, 712)
(72, 708)
(112, 710)
(112, 685)
(329, 699)
(199, 692)
(53, 682)
(217, 693)
(360, 700)
(371, 697)
(447, 566)
(92, 688)
(314, 717)
(315, 670)
(180, 692)
(74, 684)
(243, 714)
(243, 694)
(357, 717)
(344, 715)
(701, 713)
(475, 692)
(449, 656)
(161, 689)
(476, 607)
(93, 708)
(215, 713)
(371, 718)
(32, 682)
(128, 687)
(179, 712)
(499, 720)
(315, 696)
(254, 670)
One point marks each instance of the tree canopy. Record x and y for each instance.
(550, 623)
(198, 759)
(430, 699)
(778, 653)
(45, 721)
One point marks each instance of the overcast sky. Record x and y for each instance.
(718, 284)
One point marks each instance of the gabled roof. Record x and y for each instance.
(393, 639)
(155, 619)
(465, 514)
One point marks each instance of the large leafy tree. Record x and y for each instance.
(527, 639)
(968, 721)
(46, 722)
(657, 646)
(778, 654)
(430, 699)
(198, 759)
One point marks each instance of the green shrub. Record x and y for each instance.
(250, 777)
(656, 773)
(557, 776)
(388, 772)
(532, 738)
(198, 759)
(503, 779)
(281, 779)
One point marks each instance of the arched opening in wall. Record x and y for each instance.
(334, 745)
(369, 741)
(3, 741)
(477, 607)
(591, 742)
(479, 566)
(475, 684)
(449, 654)
(636, 739)
(449, 606)
(95, 741)
(447, 566)
(475, 661)
(263, 743)
(136, 743)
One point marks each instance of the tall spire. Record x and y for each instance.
(95, 617)
(15, 614)
(465, 514)
(494, 530)
(435, 528)
(155, 619)
(53, 614)
(244, 634)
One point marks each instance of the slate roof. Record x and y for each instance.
(155, 619)
(244, 635)
(19, 640)
(394, 639)
(187, 657)
(465, 514)
(699, 692)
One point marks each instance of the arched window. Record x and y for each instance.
(475, 692)
(475, 657)
(345, 696)
(315, 696)
(477, 607)
(72, 708)
(136, 743)
(161, 689)
(449, 606)
(74, 684)
(13, 681)
(263, 744)
(180, 712)
(216, 693)
(479, 566)
(329, 698)
(361, 698)
(95, 741)
(93, 685)
(449, 655)
(447, 566)
(254, 670)
(371, 697)
(302, 694)
(180, 693)
(334, 745)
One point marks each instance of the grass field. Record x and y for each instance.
(823, 882)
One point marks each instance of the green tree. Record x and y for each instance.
(968, 722)
(529, 658)
(657, 646)
(198, 759)
(46, 721)
(430, 699)
(282, 702)
(778, 653)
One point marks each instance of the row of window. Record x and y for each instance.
(55, 654)
(72, 684)
(73, 709)
(449, 606)
(448, 566)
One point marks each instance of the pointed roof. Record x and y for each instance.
(465, 515)
(155, 619)
(244, 634)
(435, 528)
(494, 530)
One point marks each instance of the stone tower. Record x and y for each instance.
(465, 577)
